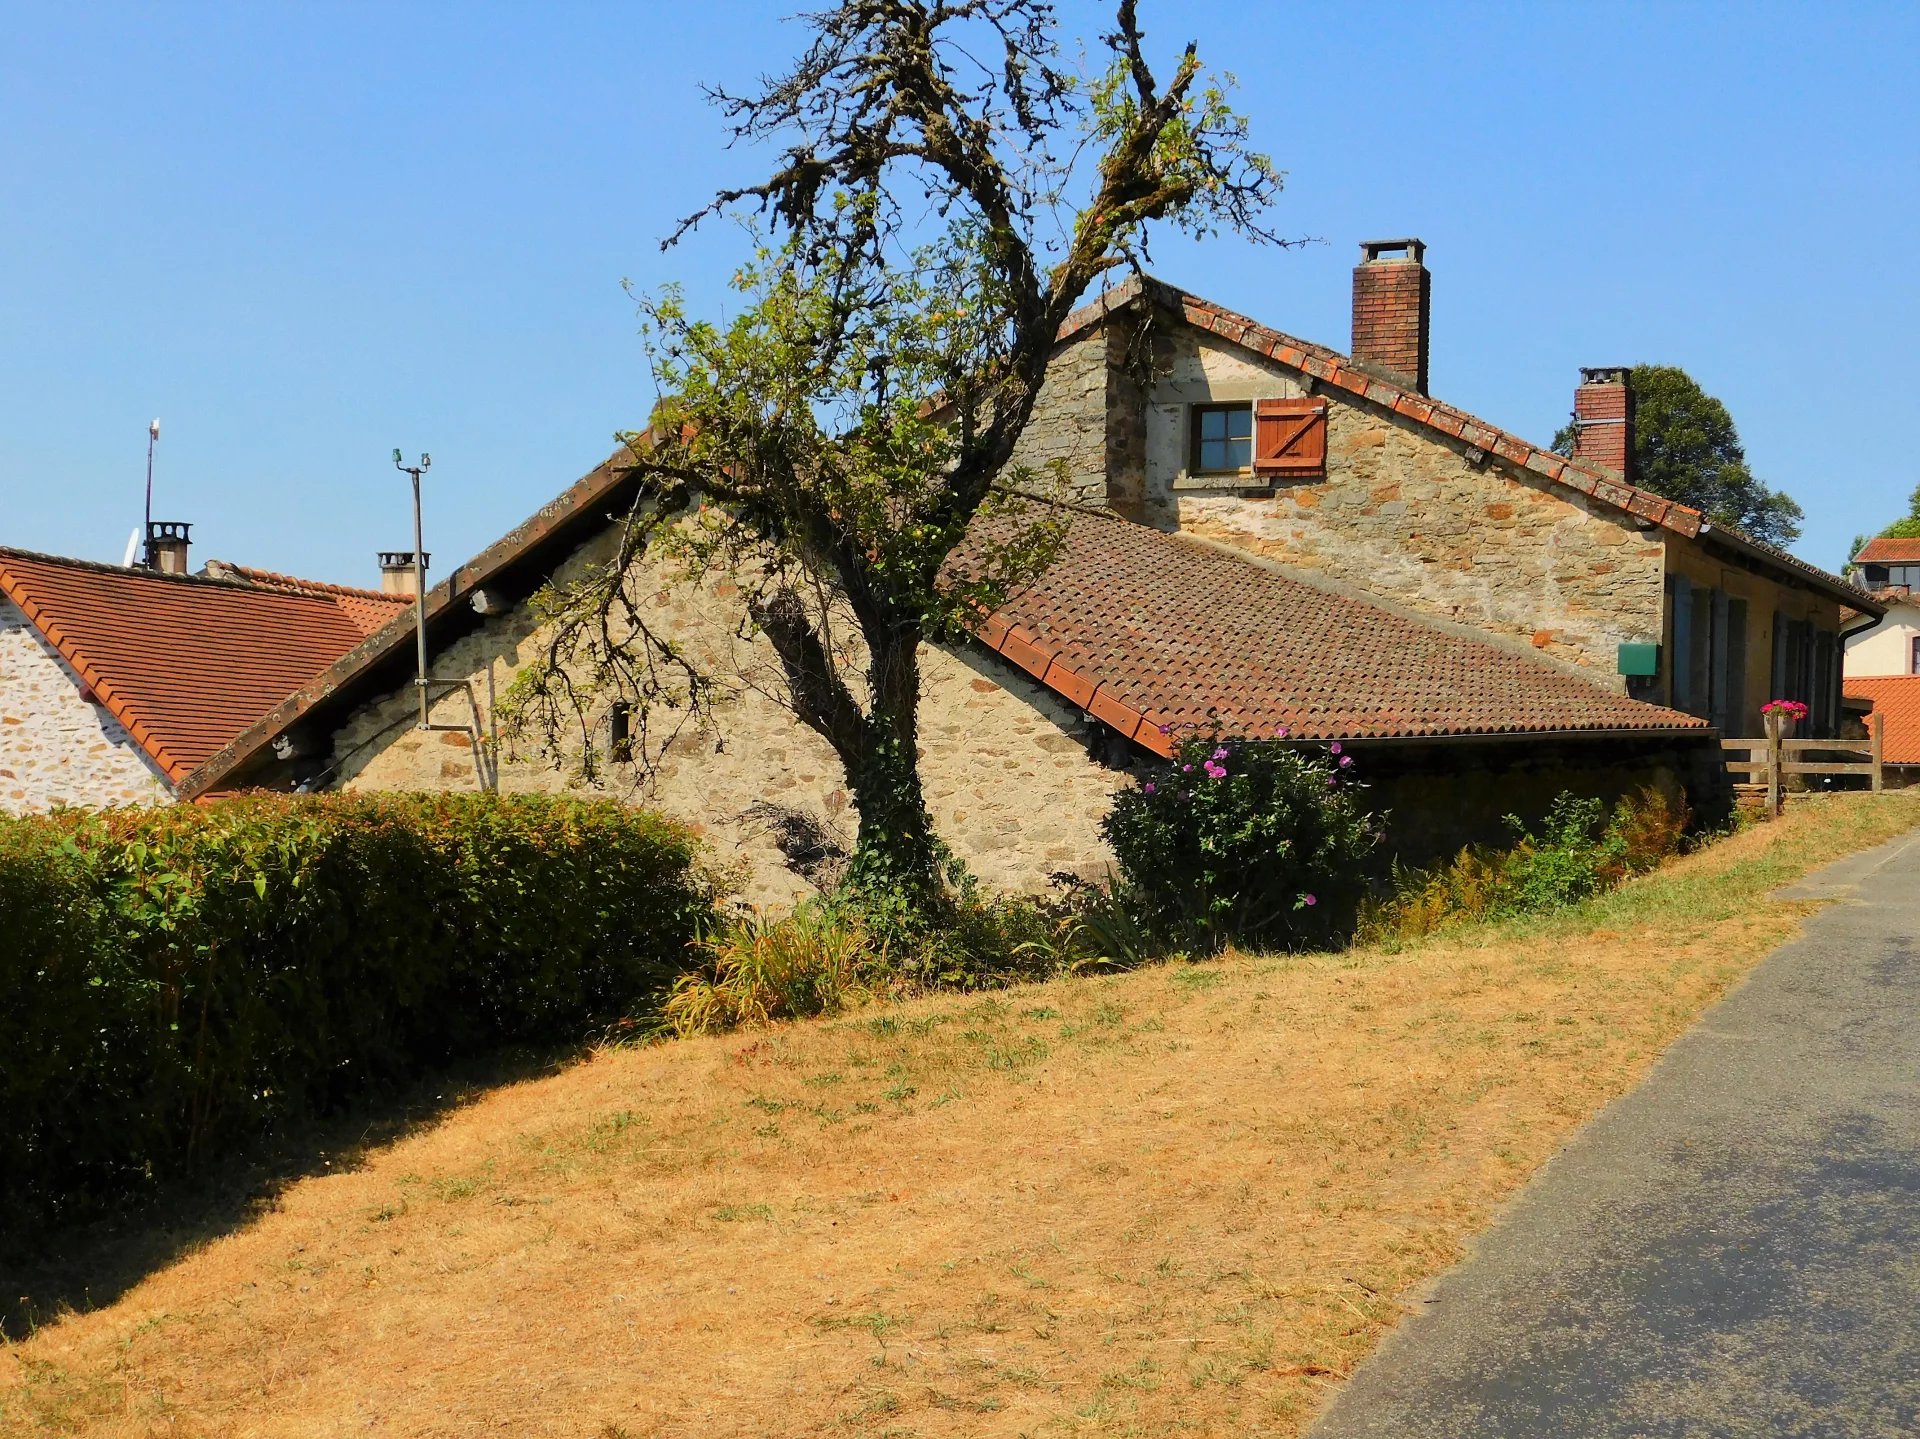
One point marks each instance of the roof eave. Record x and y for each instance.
(553, 518)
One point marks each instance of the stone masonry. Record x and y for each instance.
(1005, 762)
(1406, 515)
(55, 748)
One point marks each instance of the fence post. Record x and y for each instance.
(1775, 787)
(1879, 723)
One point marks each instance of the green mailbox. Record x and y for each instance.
(1640, 661)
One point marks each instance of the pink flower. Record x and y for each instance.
(1345, 760)
(1166, 729)
(1149, 787)
(1220, 753)
(1334, 748)
(1216, 771)
(1309, 900)
(1280, 732)
(1186, 769)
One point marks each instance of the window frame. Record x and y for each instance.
(1194, 414)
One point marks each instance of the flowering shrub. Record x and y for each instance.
(1240, 841)
(1792, 710)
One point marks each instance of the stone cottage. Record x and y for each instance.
(116, 682)
(1193, 419)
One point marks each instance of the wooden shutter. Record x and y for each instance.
(1290, 438)
(1680, 661)
(1736, 708)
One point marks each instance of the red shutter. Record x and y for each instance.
(1290, 438)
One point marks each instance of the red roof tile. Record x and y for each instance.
(1897, 699)
(1144, 629)
(1883, 551)
(369, 609)
(186, 662)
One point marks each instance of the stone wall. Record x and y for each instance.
(55, 748)
(1004, 760)
(1408, 515)
(1439, 798)
(1070, 416)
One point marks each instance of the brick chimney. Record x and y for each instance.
(167, 546)
(1392, 300)
(396, 572)
(1603, 419)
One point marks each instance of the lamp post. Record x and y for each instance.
(419, 578)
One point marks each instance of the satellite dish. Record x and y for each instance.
(133, 548)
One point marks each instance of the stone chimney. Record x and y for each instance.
(396, 572)
(1603, 419)
(167, 546)
(1392, 300)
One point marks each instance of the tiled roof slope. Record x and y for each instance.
(369, 609)
(184, 662)
(1883, 551)
(1342, 372)
(1897, 699)
(1144, 628)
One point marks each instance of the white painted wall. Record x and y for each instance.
(1887, 648)
(55, 748)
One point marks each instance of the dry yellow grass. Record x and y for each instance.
(1184, 1201)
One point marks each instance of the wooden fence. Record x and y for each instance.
(1772, 757)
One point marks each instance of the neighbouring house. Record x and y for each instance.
(1889, 643)
(116, 682)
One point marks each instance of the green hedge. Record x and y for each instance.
(173, 981)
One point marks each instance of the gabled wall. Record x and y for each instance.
(55, 748)
(1004, 760)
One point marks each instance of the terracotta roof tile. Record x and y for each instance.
(1160, 630)
(1897, 699)
(185, 662)
(1882, 551)
(368, 609)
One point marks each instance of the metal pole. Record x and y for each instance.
(146, 529)
(419, 599)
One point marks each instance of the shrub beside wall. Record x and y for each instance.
(176, 980)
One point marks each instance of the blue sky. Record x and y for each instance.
(304, 234)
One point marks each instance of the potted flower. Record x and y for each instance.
(1791, 712)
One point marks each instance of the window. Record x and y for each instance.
(620, 733)
(1222, 439)
(1913, 665)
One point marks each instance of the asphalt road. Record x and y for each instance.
(1732, 1249)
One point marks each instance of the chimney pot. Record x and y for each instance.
(1603, 418)
(1392, 307)
(167, 544)
(396, 572)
